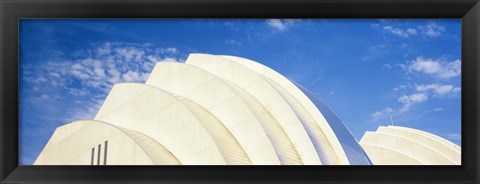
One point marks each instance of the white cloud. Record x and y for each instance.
(421, 94)
(432, 30)
(436, 68)
(387, 66)
(101, 67)
(155, 59)
(87, 110)
(36, 79)
(438, 89)
(54, 74)
(232, 42)
(414, 98)
(44, 96)
(170, 50)
(457, 90)
(132, 76)
(412, 31)
(105, 49)
(79, 72)
(99, 71)
(277, 24)
(409, 100)
(130, 53)
(400, 87)
(380, 114)
(437, 109)
(168, 59)
(426, 66)
(400, 32)
(77, 92)
(114, 75)
(375, 52)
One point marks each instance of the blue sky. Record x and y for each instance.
(363, 69)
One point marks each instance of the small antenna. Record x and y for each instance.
(391, 119)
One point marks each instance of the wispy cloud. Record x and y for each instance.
(438, 109)
(87, 109)
(400, 87)
(281, 24)
(88, 79)
(277, 24)
(437, 68)
(404, 33)
(413, 94)
(132, 76)
(432, 30)
(104, 66)
(409, 100)
(232, 42)
(377, 115)
(375, 52)
(438, 89)
(411, 31)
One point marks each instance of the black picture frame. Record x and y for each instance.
(13, 10)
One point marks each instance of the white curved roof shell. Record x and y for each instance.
(394, 145)
(83, 143)
(210, 110)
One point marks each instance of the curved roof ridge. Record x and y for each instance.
(432, 136)
(232, 124)
(306, 102)
(256, 85)
(387, 148)
(119, 90)
(423, 134)
(409, 140)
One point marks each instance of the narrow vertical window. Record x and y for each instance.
(105, 153)
(93, 155)
(98, 155)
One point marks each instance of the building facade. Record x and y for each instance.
(210, 110)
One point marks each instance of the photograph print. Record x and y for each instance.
(240, 92)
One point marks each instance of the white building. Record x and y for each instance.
(210, 110)
(394, 145)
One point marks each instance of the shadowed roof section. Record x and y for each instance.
(354, 152)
